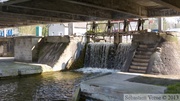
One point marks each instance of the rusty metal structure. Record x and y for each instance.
(28, 12)
(116, 28)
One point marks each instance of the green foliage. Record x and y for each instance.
(45, 30)
(173, 89)
(166, 25)
(27, 30)
(31, 30)
(169, 38)
(173, 86)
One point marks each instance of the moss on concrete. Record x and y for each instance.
(169, 37)
(173, 89)
(173, 86)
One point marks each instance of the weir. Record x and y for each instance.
(51, 52)
(117, 54)
(106, 55)
(148, 53)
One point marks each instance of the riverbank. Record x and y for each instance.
(10, 68)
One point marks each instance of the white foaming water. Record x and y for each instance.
(88, 70)
(106, 55)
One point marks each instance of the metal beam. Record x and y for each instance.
(15, 25)
(15, 2)
(172, 4)
(39, 13)
(69, 8)
(29, 17)
(162, 12)
(123, 6)
(10, 20)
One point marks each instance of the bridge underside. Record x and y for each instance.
(29, 12)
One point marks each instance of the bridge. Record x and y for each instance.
(29, 12)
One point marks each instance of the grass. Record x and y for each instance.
(173, 89)
(173, 86)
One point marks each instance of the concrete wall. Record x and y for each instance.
(26, 48)
(56, 29)
(6, 47)
(56, 39)
(70, 54)
(60, 52)
(147, 38)
(78, 28)
(23, 48)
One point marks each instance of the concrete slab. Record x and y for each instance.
(112, 87)
(10, 68)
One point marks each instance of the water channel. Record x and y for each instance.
(57, 86)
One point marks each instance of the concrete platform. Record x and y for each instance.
(112, 87)
(10, 68)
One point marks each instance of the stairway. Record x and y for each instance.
(141, 58)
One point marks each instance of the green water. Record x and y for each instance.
(55, 86)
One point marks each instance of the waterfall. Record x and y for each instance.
(121, 55)
(106, 55)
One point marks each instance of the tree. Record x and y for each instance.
(27, 30)
(45, 30)
(166, 24)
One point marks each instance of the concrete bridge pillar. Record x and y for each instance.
(70, 28)
(160, 24)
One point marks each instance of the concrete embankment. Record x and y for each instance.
(9, 68)
(166, 59)
(47, 54)
(113, 87)
(55, 51)
(70, 54)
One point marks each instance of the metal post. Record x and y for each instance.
(160, 24)
(139, 24)
(70, 28)
(116, 38)
(125, 25)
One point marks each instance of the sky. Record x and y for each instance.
(172, 19)
(3, 1)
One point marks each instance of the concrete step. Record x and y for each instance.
(143, 53)
(143, 46)
(142, 56)
(138, 67)
(141, 60)
(140, 64)
(145, 49)
(136, 71)
(149, 45)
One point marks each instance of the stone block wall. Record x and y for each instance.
(24, 48)
(6, 47)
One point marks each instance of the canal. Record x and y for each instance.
(56, 86)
